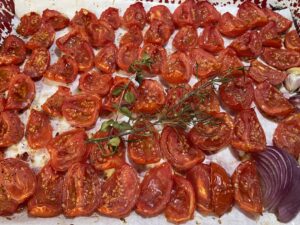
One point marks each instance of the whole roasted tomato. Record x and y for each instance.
(21, 92)
(95, 83)
(271, 101)
(135, 15)
(270, 36)
(247, 189)
(47, 199)
(29, 24)
(81, 190)
(67, 148)
(178, 150)
(100, 33)
(12, 51)
(82, 110)
(292, 41)
(143, 146)
(43, 38)
(37, 64)
(6, 74)
(158, 33)
(248, 134)
(287, 136)
(38, 129)
(211, 39)
(119, 193)
(134, 35)
(213, 134)
(181, 206)
(53, 104)
(155, 191)
(106, 59)
(12, 129)
(111, 16)
(18, 183)
(185, 39)
(64, 70)
(231, 26)
(55, 18)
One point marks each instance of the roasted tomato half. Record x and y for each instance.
(292, 41)
(158, 33)
(160, 13)
(11, 127)
(211, 39)
(212, 134)
(119, 193)
(111, 16)
(134, 35)
(47, 199)
(248, 134)
(185, 39)
(230, 63)
(270, 36)
(127, 54)
(247, 189)
(83, 18)
(29, 24)
(44, 38)
(55, 18)
(282, 23)
(100, 33)
(106, 59)
(67, 148)
(38, 129)
(6, 74)
(135, 15)
(231, 26)
(155, 191)
(12, 51)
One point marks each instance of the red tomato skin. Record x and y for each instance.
(127, 54)
(53, 104)
(158, 33)
(29, 24)
(292, 41)
(13, 129)
(43, 38)
(12, 51)
(95, 83)
(160, 13)
(155, 191)
(105, 59)
(181, 207)
(38, 129)
(286, 135)
(270, 37)
(271, 101)
(114, 201)
(21, 92)
(6, 74)
(67, 148)
(185, 39)
(229, 62)
(38, 63)
(111, 16)
(47, 199)
(85, 105)
(211, 39)
(56, 19)
(134, 36)
(183, 14)
(177, 149)
(207, 14)
(260, 72)
(248, 134)
(135, 15)
(231, 26)
(282, 23)
(83, 18)
(100, 33)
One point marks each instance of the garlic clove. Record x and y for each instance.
(292, 81)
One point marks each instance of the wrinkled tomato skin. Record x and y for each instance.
(64, 70)
(237, 94)
(21, 92)
(184, 14)
(270, 37)
(158, 33)
(111, 16)
(199, 176)
(231, 26)
(281, 59)
(252, 15)
(212, 137)
(18, 183)
(229, 62)
(282, 23)
(95, 83)
(222, 190)
(135, 15)
(105, 59)
(287, 135)
(271, 101)
(181, 206)
(207, 14)
(56, 19)
(248, 45)
(177, 149)
(248, 134)
(29, 24)
(12, 51)
(82, 110)
(178, 69)
(292, 41)
(47, 199)
(38, 130)
(101, 158)
(44, 38)
(67, 148)
(247, 190)
(144, 150)
(150, 97)
(53, 104)
(127, 54)
(120, 193)
(81, 190)
(100, 33)
(160, 13)
(133, 35)
(6, 74)
(83, 18)
(185, 38)
(12, 129)
(260, 72)
(38, 63)
(211, 39)
(155, 191)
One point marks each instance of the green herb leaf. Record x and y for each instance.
(106, 124)
(117, 91)
(129, 97)
(139, 78)
(115, 141)
(125, 111)
(123, 126)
